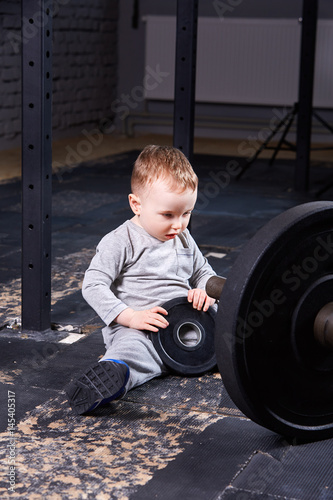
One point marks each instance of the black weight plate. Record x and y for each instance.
(271, 366)
(187, 345)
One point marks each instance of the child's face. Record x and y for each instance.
(162, 211)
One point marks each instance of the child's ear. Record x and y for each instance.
(135, 203)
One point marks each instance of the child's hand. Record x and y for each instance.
(200, 299)
(149, 319)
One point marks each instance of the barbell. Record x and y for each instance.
(274, 324)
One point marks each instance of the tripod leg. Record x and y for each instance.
(322, 121)
(267, 141)
(282, 140)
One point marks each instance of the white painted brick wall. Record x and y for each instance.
(84, 66)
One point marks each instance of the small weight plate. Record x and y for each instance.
(186, 346)
(271, 365)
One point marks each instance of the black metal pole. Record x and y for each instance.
(305, 94)
(185, 73)
(36, 163)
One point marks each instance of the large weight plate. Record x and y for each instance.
(186, 346)
(271, 366)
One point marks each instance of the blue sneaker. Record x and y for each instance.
(100, 384)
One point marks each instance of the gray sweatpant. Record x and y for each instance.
(136, 349)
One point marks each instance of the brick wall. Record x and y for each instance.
(84, 66)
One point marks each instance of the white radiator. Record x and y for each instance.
(241, 61)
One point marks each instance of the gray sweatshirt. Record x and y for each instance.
(133, 269)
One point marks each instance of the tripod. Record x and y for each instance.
(286, 122)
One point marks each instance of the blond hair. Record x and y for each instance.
(163, 162)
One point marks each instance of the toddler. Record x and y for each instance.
(147, 261)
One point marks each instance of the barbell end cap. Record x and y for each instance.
(323, 326)
(214, 286)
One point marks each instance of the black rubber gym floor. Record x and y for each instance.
(175, 437)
